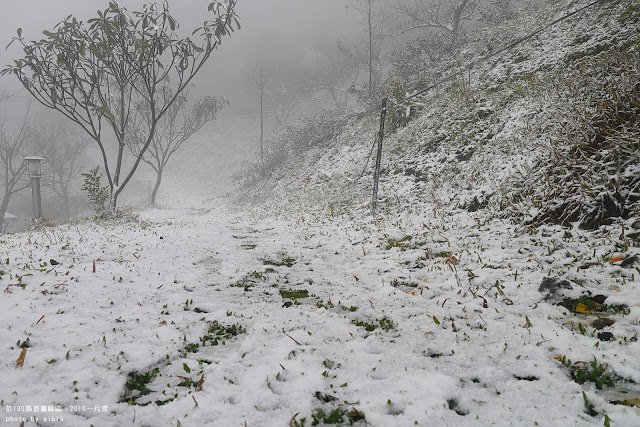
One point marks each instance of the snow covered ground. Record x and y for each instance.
(209, 316)
(305, 309)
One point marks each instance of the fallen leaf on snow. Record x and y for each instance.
(582, 309)
(20, 361)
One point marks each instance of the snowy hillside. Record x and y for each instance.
(480, 136)
(464, 302)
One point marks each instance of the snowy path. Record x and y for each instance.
(445, 328)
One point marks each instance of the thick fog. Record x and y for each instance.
(284, 37)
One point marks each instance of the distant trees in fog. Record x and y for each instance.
(15, 144)
(172, 130)
(63, 151)
(96, 73)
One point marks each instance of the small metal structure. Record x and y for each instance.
(34, 165)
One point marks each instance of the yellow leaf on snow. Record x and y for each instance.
(582, 309)
(20, 361)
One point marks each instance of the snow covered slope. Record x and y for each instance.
(479, 136)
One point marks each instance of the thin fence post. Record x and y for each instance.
(376, 172)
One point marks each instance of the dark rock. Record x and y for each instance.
(551, 285)
(53, 262)
(323, 397)
(483, 113)
(526, 377)
(287, 304)
(412, 171)
(464, 154)
(602, 323)
(454, 405)
(476, 204)
(600, 299)
(605, 336)
(520, 58)
(629, 261)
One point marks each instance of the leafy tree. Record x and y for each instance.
(95, 74)
(172, 130)
(97, 192)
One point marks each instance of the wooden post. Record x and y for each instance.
(376, 172)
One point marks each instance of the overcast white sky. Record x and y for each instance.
(282, 33)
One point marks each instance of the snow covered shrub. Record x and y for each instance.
(591, 172)
(399, 114)
(420, 58)
(292, 141)
(98, 193)
(498, 11)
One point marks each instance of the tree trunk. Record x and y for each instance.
(456, 18)
(370, 50)
(66, 208)
(3, 209)
(154, 193)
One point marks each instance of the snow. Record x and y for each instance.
(132, 315)
(461, 334)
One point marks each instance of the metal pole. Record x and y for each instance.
(376, 172)
(36, 197)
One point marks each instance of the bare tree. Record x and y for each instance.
(374, 20)
(331, 82)
(172, 130)
(285, 99)
(277, 100)
(13, 148)
(62, 150)
(96, 73)
(261, 80)
(4, 96)
(445, 15)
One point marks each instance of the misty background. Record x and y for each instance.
(287, 38)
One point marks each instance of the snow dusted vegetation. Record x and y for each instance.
(199, 316)
(497, 284)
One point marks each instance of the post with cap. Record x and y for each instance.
(34, 165)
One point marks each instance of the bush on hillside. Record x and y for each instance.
(591, 172)
(292, 141)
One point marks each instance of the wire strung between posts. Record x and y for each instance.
(479, 61)
(498, 52)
